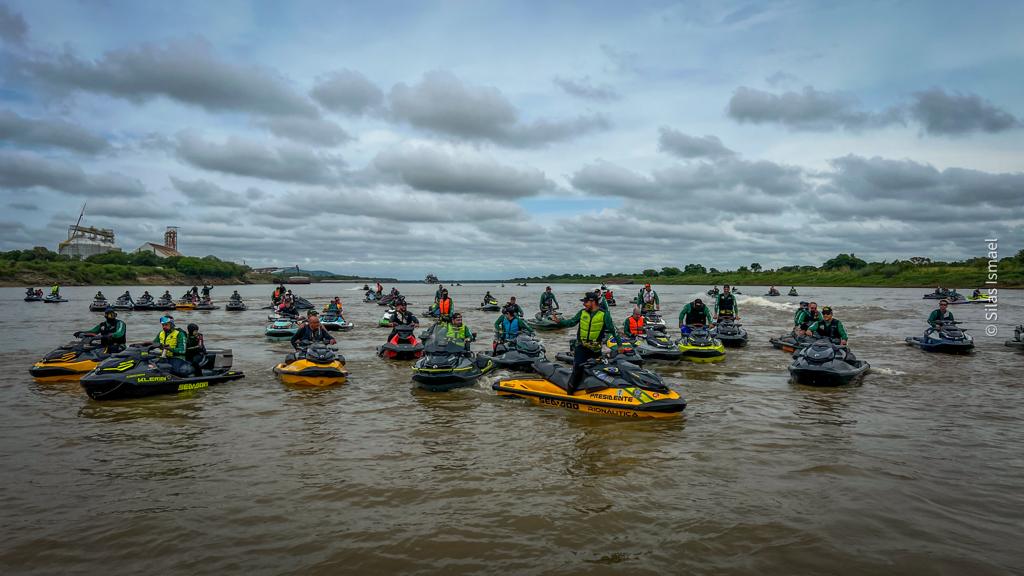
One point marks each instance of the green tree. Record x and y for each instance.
(650, 272)
(695, 269)
(844, 261)
(755, 267)
(671, 271)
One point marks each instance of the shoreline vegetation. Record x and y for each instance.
(41, 267)
(845, 270)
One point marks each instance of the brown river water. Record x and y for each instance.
(917, 470)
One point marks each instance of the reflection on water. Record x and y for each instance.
(915, 471)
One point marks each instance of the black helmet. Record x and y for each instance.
(193, 328)
(590, 296)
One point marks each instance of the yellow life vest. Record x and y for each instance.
(458, 335)
(170, 340)
(591, 326)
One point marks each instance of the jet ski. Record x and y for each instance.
(33, 295)
(54, 299)
(654, 321)
(206, 304)
(235, 305)
(446, 365)
(655, 345)
(370, 296)
(145, 302)
(70, 361)
(614, 387)
(940, 295)
(791, 342)
(185, 304)
(979, 299)
(700, 346)
(490, 306)
(432, 312)
(824, 363)
(946, 338)
(385, 320)
(281, 328)
(540, 321)
(164, 303)
(713, 292)
(313, 364)
(388, 299)
(301, 303)
(140, 371)
(792, 292)
(402, 346)
(736, 290)
(124, 303)
(97, 305)
(625, 348)
(334, 322)
(730, 333)
(773, 293)
(517, 354)
(1018, 338)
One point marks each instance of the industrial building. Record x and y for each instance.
(85, 241)
(166, 250)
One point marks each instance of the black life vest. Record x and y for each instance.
(828, 328)
(726, 304)
(696, 316)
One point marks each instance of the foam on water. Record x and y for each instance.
(765, 302)
(887, 371)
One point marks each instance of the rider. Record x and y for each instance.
(594, 324)
(976, 294)
(773, 291)
(548, 302)
(438, 292)
(510, 324)
(312, 331)
(206, 291)
(55, 290)
(172, 342)
(401, 317)
(146, 295)
(127, 296)
(648, 299)
(828, 327)
(334, 306)
(941, 315)
(488, 298)
(810, 315)
(195, 348)
(99, 295)
(693, 314)
(458, 333)
(726, 305)
(236, 296)
(112, 332)
(445, 307)
(634, 325)
(516, 307)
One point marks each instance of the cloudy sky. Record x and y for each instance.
(487, 140)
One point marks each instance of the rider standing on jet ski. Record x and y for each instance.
(594, 325)
(828, 327)
(312, 331)
(648, 299)
(112, 332)
(509, 325)
(127, 296)
(725, 304)
(401, 317)
(693, 314)
(445, 306)
(941, 315)
(548, 302)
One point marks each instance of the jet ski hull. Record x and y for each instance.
(490, 308)
(941, 345)
(824, 376)
(136, 375)
(305, 373)
(789, 343)
(622, 402)
(44, 371)
(50, 300)
(98, 306)
(232, 306)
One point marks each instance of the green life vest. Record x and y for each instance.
(458, 335)
(591, 327)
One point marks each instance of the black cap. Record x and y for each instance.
(589, 296)
(698, 301)
(826, 310)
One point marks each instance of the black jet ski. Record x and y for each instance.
(97, 305)
(300, 303)
(542, 321)
(490, 305)
(140, 371)
(730, 332)
(654, 321)
(1018, 338)
(656, 345)
(235, 305)
(517, 354)
(124, 303)
(623, 348)
(164, 303)
(825, 363)
(773, 293)
(33, 295)
(402, 346)
(446, 365)
(388, 299)
(713, 291)
(70, 361)
(145, 302)
(947, 337)
(792, 292)
(791, 342)
(54, 299)
(206, 304)
(614, 387)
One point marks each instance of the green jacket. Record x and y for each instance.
(179, 345)
(822, 324)
(936, 316)
(608, 328)
(546, 297)
(522, 326)
(640, 298)
(517, 308)
(735, 305)
(686, 310)
(118, 335)
(805, 316)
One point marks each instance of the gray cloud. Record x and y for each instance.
(286, 163)
(622, 61)
(40, 132)
(442, 103)
(584, 88)
(347, 91)
(13, 28)
(26, 171)
(205, 193)
(187, 71)
(953, 114)
(438, 170)
(317, 131)
(604, 178)
(809, 109)
(22, 206)
(146, 207)
(685, 146)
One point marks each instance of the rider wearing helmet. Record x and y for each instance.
(112, 332)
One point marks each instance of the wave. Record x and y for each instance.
(766, 303)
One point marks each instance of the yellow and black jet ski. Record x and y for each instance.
(613, 387)
(313, 364)
(700, 346)
(71, 361)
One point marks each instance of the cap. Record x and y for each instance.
(826, 310)
(803, 303)
(589, 296)
(648, 285)
(698, 301)
(167, 319)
